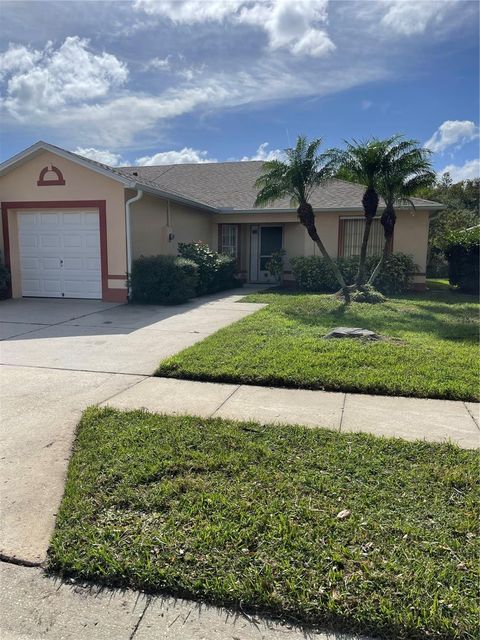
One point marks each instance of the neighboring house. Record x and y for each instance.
(70, 231)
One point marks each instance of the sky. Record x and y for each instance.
(159, 82)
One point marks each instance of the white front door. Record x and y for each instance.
(264, 241)
(60, 254)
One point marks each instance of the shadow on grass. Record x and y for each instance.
(417, 313)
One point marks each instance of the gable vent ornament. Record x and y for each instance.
(50, 176)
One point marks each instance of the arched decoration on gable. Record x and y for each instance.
(49, 181)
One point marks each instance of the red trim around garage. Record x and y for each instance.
(108, 295)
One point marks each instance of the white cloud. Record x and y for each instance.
(17, 58)
(409, 17)
(43, 81)
(187, 155)
(288, 24)
(190, 11)
(293, 25)
(452, 132)
(159, 63)
(467, 171)
(366, 104)
(264, 154)
(104, 156)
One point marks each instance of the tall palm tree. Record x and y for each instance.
(407, 169)
(363, 161)
(297, 177)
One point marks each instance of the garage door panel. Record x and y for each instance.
(78, 288)
(49, 264)
(91, 220)
(28, 240)
(60, 254)
(73, 240)
(49, 219)
(47, 241)
(73, 218)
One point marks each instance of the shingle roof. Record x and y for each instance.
(231, 186)
(220, 186)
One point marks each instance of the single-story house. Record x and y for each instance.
(72, 226)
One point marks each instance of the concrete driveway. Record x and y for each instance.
(59, 356)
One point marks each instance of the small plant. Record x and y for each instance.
(275, 264)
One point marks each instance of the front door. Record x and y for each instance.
(264, 241)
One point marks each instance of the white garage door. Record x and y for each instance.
(60, 254)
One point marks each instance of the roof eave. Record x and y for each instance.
(333, 209)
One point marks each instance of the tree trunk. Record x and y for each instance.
(307, 218)
(370, 206)
(388, 220)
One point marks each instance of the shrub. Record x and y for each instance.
(462, 252)
(4, 281)
(163, 280)
(225, 271)
(396, 275)
(215, 271)
(313, 273)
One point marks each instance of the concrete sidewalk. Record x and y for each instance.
(408, 418)
(36, 606)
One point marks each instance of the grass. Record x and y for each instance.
(439, 284)
(431, 348)
(247, 515)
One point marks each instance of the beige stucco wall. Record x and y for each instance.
(150, 230)
(20, 185)
(411, 237)
(411, 234)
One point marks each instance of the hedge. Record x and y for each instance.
(216, 271)
(313, 273)
(462, 252)
(163, 280)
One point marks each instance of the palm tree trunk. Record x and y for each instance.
(307, 218)
(388, 220)
(370, 206)
(360, 277)
(378, 268)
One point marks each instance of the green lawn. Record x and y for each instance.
(431, 346)
(248, 515)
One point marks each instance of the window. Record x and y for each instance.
(351, 234)
(229, 240)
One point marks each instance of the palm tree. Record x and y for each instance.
(363, 161)
(407, 169)
(302, 172)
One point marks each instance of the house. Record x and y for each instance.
(71, 226)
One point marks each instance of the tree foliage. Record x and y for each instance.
(462, 212)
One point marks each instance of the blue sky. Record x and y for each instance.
(154, 82)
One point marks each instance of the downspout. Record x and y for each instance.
(128, 231)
